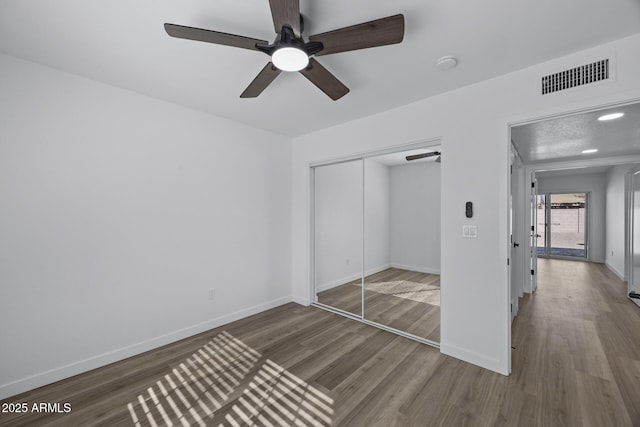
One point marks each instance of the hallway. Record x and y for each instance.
(577, 346)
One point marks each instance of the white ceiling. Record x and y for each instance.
(564, 138)
(123, 43)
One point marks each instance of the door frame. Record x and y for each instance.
(531, 169)
(630, 228)
(522, 119)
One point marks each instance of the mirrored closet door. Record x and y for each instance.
(376, 234)
(402, 242)
(337, 210)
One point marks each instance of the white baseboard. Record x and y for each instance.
(300, 300)
(66, 371)
(474, 358)
(616, 272)
(427, 270)
(376, 270)
(338, 282)
(343, 280)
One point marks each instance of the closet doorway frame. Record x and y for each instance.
(427, 143)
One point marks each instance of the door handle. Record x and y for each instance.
(516, 245)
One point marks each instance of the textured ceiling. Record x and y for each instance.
(565, 138)
(123, 43)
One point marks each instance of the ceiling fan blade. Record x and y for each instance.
(326, 82)
(199, 34)
(286, 12)
(262, 80)
(384, 31)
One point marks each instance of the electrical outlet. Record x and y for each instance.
(212, 294)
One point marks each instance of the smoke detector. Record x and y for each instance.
(446, 63)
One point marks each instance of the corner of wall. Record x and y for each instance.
(615, 271)
(301, 300)
(474, 358)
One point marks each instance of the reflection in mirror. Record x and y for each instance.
(338, 223)
(402, 242)
(634, 283)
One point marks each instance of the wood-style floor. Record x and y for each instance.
(415, 317)
(576, 362)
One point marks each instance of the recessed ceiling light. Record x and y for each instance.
(591, 150)
(611, 116)
(446, 63)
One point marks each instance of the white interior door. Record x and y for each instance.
(515, 265)
(534, 234)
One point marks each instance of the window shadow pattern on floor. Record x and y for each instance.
(228, 383)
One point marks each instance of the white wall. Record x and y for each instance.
(616, 238)
(338, 224)
(118, 214)
(596, 185)
(415, 217)
(473, 125)
(377, 216)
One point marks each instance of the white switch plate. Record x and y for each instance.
(470, 231)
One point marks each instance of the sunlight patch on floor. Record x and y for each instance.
(228, 378)
(276, 397)
(407, 289)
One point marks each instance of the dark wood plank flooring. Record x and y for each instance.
(415, 317)
(576, 362)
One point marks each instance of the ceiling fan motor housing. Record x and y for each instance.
(287, 38)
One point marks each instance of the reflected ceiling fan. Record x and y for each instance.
(425, 155)
(290, 52)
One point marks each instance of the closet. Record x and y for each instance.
(375, 225)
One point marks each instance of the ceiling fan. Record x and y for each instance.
(425, 155)
(290, 52)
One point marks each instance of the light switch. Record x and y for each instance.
(470, 231)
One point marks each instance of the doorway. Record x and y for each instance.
(588, 153)
(562, 225)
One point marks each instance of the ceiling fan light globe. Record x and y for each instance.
(290, 59)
